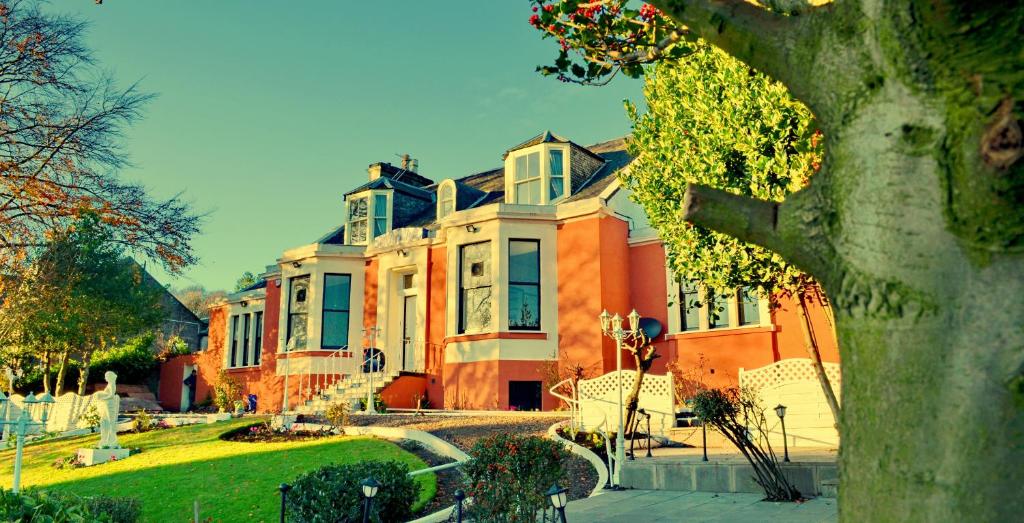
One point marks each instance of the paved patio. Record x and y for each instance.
(642, 506)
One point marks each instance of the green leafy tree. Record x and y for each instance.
(246, 280)
(742, 132)
(912, 225)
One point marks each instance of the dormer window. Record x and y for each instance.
(537, 175)
(445, 199)
(369, 216)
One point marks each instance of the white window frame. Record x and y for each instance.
(704, 314)
(371, 214)
(446, 184)
(248, 350)
(544, 150)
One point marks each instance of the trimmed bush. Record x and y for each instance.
(509, 474)
(33, 505)
(133, 362)
(334, 493)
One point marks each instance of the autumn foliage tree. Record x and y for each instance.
(912, 225)
(61, 121)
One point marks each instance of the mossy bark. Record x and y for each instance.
(914, 226)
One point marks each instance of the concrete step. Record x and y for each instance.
(830, 488)
(691, 474)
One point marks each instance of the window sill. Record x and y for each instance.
(725, 331)
(513, 335)
(313, 352)
(242, 369)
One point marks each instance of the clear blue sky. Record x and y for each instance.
(268, 111)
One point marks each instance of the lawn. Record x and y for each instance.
(232, 481)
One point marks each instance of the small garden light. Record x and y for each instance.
(284, 488)
(557, 496)
(370, 488)
(780, 411)
(460, 496)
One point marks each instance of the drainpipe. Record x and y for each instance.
(429, 314)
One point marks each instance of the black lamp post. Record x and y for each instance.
(558, 500)
(780, 411)
(704, 438)
(370, 488)
(284, 488)
(460, 496)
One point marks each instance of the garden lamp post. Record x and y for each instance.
(558, 500)
(288, 348)
(460, 496)
(704, 439)
(371, 335)
(370, 488)
(612, 327)
(780, 411)
(284, 488)
(21, 426)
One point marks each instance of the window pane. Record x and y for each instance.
(358, 231)
(380, 226)
(750, 312)
(524, 306)
(478, 255)
(689, 306)
(233, 362)
(521, 172)
(556, 163)
(476, 309)
(297, 308)
(335, 329)
(524, 262)
(718, 310)
(533, 164)
(337, 289)
(357, 208)
(380, 205)
(258, 343)
(556, 188)
(246, 320)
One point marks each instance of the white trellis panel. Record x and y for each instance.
(65, 414)
(599, 400)
(793, 382)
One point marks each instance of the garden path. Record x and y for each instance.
(654, 505)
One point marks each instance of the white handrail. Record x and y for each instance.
(321, 374)
(575, 419)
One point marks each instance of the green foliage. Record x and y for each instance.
(510, 473)
(712, 120)
(133, 362)
(334, 493)
(337, 414)
(41, 506)
(91, 418)
(226, 392)
(175, 346)
(143, 422)
(378, 404)
(246, 280)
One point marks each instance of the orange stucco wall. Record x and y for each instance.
(437, 292)
(402, 393)
(484, 384)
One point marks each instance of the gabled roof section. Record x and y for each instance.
(335, 237)
(616, 157)
(550, 137)
(396, 185)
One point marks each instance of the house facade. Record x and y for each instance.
(471, 289)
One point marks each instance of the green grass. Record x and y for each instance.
(232, 481)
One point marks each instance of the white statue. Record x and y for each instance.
(109, 405)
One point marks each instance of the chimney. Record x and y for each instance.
(414, 165)
(405, 162)
(375, 170)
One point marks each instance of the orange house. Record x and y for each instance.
(470, 290)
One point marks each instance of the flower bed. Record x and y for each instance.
(264, 433)
(591, 441)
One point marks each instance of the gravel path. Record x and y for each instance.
(464, 431)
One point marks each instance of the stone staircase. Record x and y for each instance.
(348, 390)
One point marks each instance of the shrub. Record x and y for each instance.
(378, 404)
(143, 422)
(173, 346)
(133, 362)
(226, 392)
(91, 418)
(33, 505)
(337, 414)
(335, 493)
(509, 475)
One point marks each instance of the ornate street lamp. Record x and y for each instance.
(370, 488)
(22, 425)
(780, 411)
(612, 327)
(558, 500)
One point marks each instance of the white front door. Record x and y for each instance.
(409, 333)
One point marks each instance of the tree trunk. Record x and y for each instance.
(915, 229)
(643, 364)
(46, 371)
(58, 386)
(812, 350)
(83, 372)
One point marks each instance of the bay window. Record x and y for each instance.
(474, 287)
(537, 176)
(524, 284)
(336, 308)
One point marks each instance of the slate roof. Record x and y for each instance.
(488, 187)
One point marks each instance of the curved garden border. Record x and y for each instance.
(585, 453)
